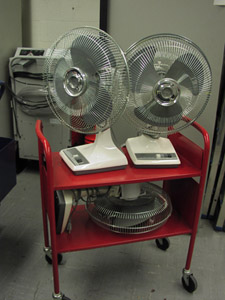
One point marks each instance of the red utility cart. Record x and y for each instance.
(180, 183)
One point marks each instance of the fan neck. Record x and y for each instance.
(104, 139)
(154, 136)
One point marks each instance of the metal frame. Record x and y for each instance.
(178, 182)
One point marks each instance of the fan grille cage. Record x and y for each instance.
(144, 214)
(95, 56)
(167, 56)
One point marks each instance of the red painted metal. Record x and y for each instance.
(47, 194)
(204, 167)
(65, 179)
(88, 235)
(186, 195)
(43, 175)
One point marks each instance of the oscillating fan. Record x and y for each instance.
(170, 85)
(88, 84)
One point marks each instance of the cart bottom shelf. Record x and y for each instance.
(87, 235)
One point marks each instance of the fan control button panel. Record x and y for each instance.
(75, 156)
(155, 156)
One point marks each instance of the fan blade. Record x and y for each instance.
(81, 61)
(62, 66)
(142, 71)
(92, 114)
(100, 111)
(186, 100)
(90, 54)
(181, 73)
(147, 80)
(184, 75)
(157, 115)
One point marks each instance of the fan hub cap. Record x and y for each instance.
(166, 92)
(75, 83)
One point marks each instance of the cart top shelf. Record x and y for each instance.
(63, 178)
(192, 158)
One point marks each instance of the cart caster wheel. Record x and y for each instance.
(65, 298)
(49, 259)
(163, 244)
(60, 296)
(189, 283)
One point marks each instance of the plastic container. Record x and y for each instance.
(7, 166)
(2, 88)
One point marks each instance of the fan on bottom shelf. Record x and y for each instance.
(147, 212)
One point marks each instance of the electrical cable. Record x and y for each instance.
(69, 223)
(16, 121)
(27, 83)
(27, 103)
(24, 74)
(92, 195)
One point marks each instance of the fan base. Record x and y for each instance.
(149, 152)
(91, 158)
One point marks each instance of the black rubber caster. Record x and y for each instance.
(60, 296)
(189, 283)
(49, 259)
(65, 298)
(163, 244)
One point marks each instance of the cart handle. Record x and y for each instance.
(200, 129)
(205, 136)
(45, 152)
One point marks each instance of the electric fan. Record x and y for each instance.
(146, 211)
(170, 85)
(87, 80)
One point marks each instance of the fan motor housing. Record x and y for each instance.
(166, 92)
(75, 82)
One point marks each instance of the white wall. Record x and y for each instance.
(10, 39)
(42, 22)
(45, 20)
(198, 20)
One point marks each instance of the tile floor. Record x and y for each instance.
(129, 272)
